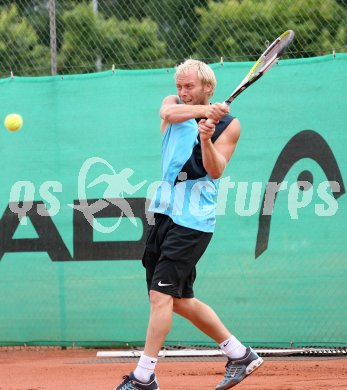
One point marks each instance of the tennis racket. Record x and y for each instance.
(264, 63)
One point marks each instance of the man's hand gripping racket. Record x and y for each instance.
(264, 63)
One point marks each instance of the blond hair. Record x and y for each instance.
(205, 73)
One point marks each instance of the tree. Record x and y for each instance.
(89, 35)
(177, 20)
(238, 30)
(133, 43)
(179, 24)
(20, 50)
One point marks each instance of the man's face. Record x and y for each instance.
(191, 90)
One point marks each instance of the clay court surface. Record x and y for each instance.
(77, 369)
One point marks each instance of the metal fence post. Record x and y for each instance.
(53, 36)
(98, 62)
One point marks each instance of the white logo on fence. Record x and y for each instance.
(117, 185)
(299, 195)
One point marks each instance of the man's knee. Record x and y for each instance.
(158, 299)
(183, 306)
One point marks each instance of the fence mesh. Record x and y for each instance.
(42, 37)
(67, 281)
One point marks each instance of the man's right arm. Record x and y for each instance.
(173, 112)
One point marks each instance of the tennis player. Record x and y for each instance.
(195, 153)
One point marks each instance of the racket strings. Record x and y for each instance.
(264, 63)
(286, 40)
(273, 52)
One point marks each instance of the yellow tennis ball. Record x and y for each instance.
(13, 122)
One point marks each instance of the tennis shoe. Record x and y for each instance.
(238, 369)
(131, 383)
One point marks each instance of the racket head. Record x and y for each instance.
(265, 62)
(273, 52)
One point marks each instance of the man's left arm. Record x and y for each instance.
(216, 156)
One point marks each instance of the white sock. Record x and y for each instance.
(233, 348)
(145, 368)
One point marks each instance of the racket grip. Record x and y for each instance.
(210, 120)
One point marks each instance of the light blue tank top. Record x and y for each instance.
(186, 193)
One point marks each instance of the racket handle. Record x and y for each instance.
(225, 104)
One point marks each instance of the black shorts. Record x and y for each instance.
(170, 257)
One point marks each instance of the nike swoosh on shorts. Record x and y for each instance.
(164, 284)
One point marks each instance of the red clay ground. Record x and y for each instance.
(79, 370)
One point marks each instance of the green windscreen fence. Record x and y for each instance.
(75, 183)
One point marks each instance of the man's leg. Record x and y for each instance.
(242, 361)
(203, 317)
(160, 321)
(159, 325)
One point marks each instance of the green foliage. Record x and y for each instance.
(20, 49)
(132, 43)
(82, 35)
(157, 33)
(111, 41)
(317, 23)
(178, 23)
